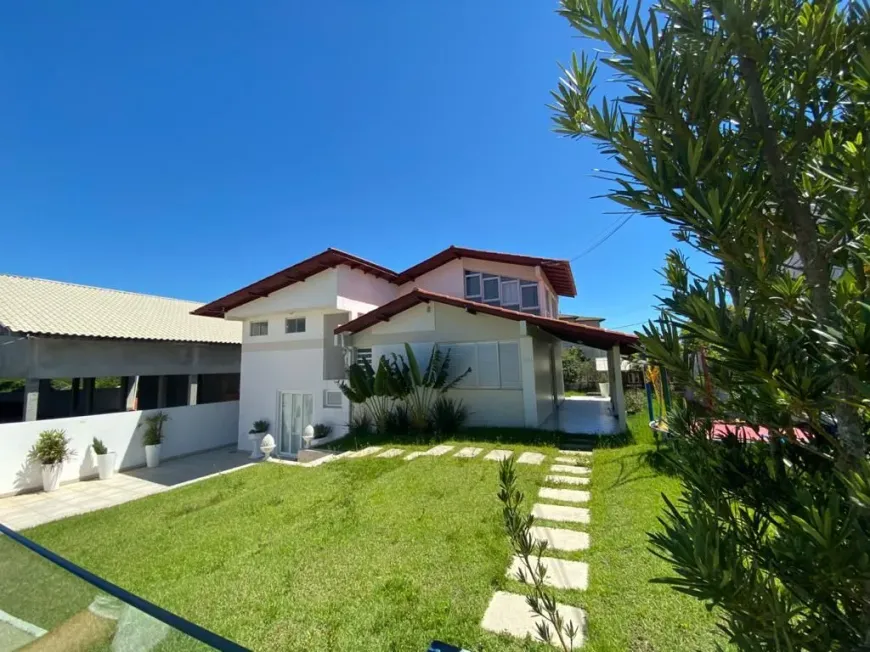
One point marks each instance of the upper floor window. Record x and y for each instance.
(510, 293)
(364, 355)
(296, 325)
(259, 328)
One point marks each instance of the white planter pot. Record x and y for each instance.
(256, 438)
(152, 456)
(106, 465)
(51, 476)
(604, 389)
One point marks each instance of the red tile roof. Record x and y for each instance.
(558, 272)
(599, 338)
(293, 274)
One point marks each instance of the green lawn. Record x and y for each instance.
(372, 554)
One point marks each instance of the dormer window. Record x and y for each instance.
(511, 293)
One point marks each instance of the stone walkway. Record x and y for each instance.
(508, 612)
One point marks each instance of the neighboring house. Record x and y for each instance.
(57, 338)
(497, 313)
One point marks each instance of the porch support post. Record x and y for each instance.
(88, 393)
(192, 389)
(617, 394)
(31, 399)
(527, 373)
(131, 393)
(161, 391)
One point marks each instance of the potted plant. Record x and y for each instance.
(153, 437)
(255, 434)
(51, 450)
(105, 459)
(322, 431)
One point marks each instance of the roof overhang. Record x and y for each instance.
(558, 272)
(598, 338)
(297, 273)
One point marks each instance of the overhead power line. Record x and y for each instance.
(605, 237)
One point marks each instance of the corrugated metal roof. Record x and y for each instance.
(40, 306)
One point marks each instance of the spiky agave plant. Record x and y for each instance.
(421, 389)
(375, 390)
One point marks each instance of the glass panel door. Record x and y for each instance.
(297, 412)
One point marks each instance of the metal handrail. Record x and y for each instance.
(176, 622)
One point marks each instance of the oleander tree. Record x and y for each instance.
(743, 124)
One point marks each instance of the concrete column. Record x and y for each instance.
(74, 397)
(527, 367)
(131, 393)
(192, 389)
(161, 391)
(617, 394)
(88, 396)
(31, 399)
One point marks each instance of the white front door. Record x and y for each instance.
(296, 410)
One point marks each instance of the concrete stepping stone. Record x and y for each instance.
(576, 453)
(468, 451)
(561, 573)
(366, 451)
(510, 613)
(570, 460)
(566, 479)
(563, 513)
(439, 450)
(531, 458)
(560, 538)
(573, 470)
(415, 455)
(565, 495)
(498, 455)
(392, 452)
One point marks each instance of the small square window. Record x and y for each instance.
(490, 288)
(296, 325)
(259, 328)
(331, 398)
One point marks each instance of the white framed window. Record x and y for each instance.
(473, 288)
(259, 328)
(510, 293)
(529, 297)
(363, 356)
(331, 398)
(510, 374)
(294, 325)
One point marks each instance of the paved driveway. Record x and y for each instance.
(28, 510)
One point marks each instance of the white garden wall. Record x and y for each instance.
(190, 429)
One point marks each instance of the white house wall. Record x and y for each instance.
(448, 279)
(190, 429)
(267, 372)
(426, 324)
(359, 293)
(318, 291)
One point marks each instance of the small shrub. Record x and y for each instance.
(154, 429)
(99, 447)
(322, 430)
(635, 401)
(361, 425)
(260, 427)
(398, 422)
(52, 447)
(448, 416)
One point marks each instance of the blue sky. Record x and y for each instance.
(188, 148)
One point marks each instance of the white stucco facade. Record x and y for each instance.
(292, 363)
